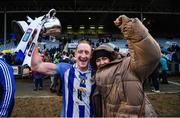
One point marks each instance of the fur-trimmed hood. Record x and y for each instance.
(106, 49)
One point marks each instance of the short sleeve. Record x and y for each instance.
(61, 68)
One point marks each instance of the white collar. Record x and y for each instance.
(87, 71)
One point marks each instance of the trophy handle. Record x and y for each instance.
(51, 13)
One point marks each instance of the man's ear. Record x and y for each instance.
(91, 54)
(75, 52)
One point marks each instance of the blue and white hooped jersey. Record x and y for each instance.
(77, 88)
(7, 89)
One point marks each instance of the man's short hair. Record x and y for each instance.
(83, 42)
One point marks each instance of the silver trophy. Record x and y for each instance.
(30, 33)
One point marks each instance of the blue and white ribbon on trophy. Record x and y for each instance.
(31, 35)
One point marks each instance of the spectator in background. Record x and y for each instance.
(164, 68)
(38, 77)
(13, 38)
(7, 89)
(154, 77)
(176, 58)
(54, 78)
(38, 80)
(8, 58)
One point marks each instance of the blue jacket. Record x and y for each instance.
(7, 89)
(164, 63)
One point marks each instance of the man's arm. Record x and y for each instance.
(144, 50)
(38, 65)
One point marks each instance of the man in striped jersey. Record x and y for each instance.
(7, 89)
(76, 81)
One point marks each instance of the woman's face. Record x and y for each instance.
(102, 61)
